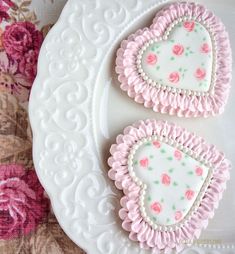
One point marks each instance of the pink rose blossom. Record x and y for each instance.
(189, 194)
(199, 171)
(189, 25)
(178, 215)
(11, 80)
(156, 207)
(200, 73)
(22, 202)
(174, 77)
(166, 180)
(157, 144)
(28, 64)
(21, 37)
(177, 155)
(144, 162)
(151, 58)
(178, 50)
(5, 5)
(205, 48)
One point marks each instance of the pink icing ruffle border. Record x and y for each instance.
(130, 213)
(162, 100)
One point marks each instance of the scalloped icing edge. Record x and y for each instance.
(130, 213)
(161, 100)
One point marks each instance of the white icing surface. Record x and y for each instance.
(173, 181)
(182, 61)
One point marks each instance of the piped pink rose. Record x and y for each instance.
(200, 73)
(205, 48)
(189, 25)
(174, 77)
(199, 171)
(151, 59)
(157, 144)
(178, 215)
(144, 162)
(156, 207)
(178, 49)
(177, 155)
(166, 179)
(189, 194)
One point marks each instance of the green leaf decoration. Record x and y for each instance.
(150, 168)
(135, 162)
(158, 67)
(187, 186)
(172, 41)
(175, 183)
(186, 53)
(183, 163)
(173, 207)
(168, 220)
(151, 156)
(170, 158)
(163, 151)
(190, 172)
(180, 69)
(162, 200)
(152, 48)
(148, 144)
(172, 58)
(195, 30)
(182, 198)
(204, 38)
(171, 170)
(149, 198)
(191, 52)
(188, 48)
(154, 218)
(156, 182)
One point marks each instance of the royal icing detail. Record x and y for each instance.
(181, 65)
(183, 61)
(172, 181)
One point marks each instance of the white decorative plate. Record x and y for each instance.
(77, 109)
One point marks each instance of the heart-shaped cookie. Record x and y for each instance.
(180, 65)
(172, 182)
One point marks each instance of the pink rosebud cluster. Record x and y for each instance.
(22, 41)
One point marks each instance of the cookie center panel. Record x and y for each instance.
(184, 60)
(173, 178)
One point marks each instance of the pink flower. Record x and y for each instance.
(178, 215)
(189, 25)
(174, 77)
(166, 180)
(5, 5)
(189, 194)
(200, 73)
(22, 201)
(21, 37)
(157, 144)
(151, 58)
(11, 80)
(144, 162)
(156, 207)
(178, 50)
(177, 155)
(28, 64)
(199, 171)
(205, 48)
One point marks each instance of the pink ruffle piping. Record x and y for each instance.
(133, 222)
(168, 102)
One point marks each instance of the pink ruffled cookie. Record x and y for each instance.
(172, 182)
(181, 65)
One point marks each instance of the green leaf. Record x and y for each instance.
(158, 67)
(170, 158)
(148, 144)
(135, 162)
(180, 69)
(172, 58)
(149, 198)
(175, 183)
(156, 182)
(150, 168)
(186, 53)
(163, 151)
(183, 163)
(154, 218)
(190, 172)
(151, 156)
(173, 207)
(195, 30)
(171, 170)
(172, 41)
(162, 200)
(182, 198)
(168, 220)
